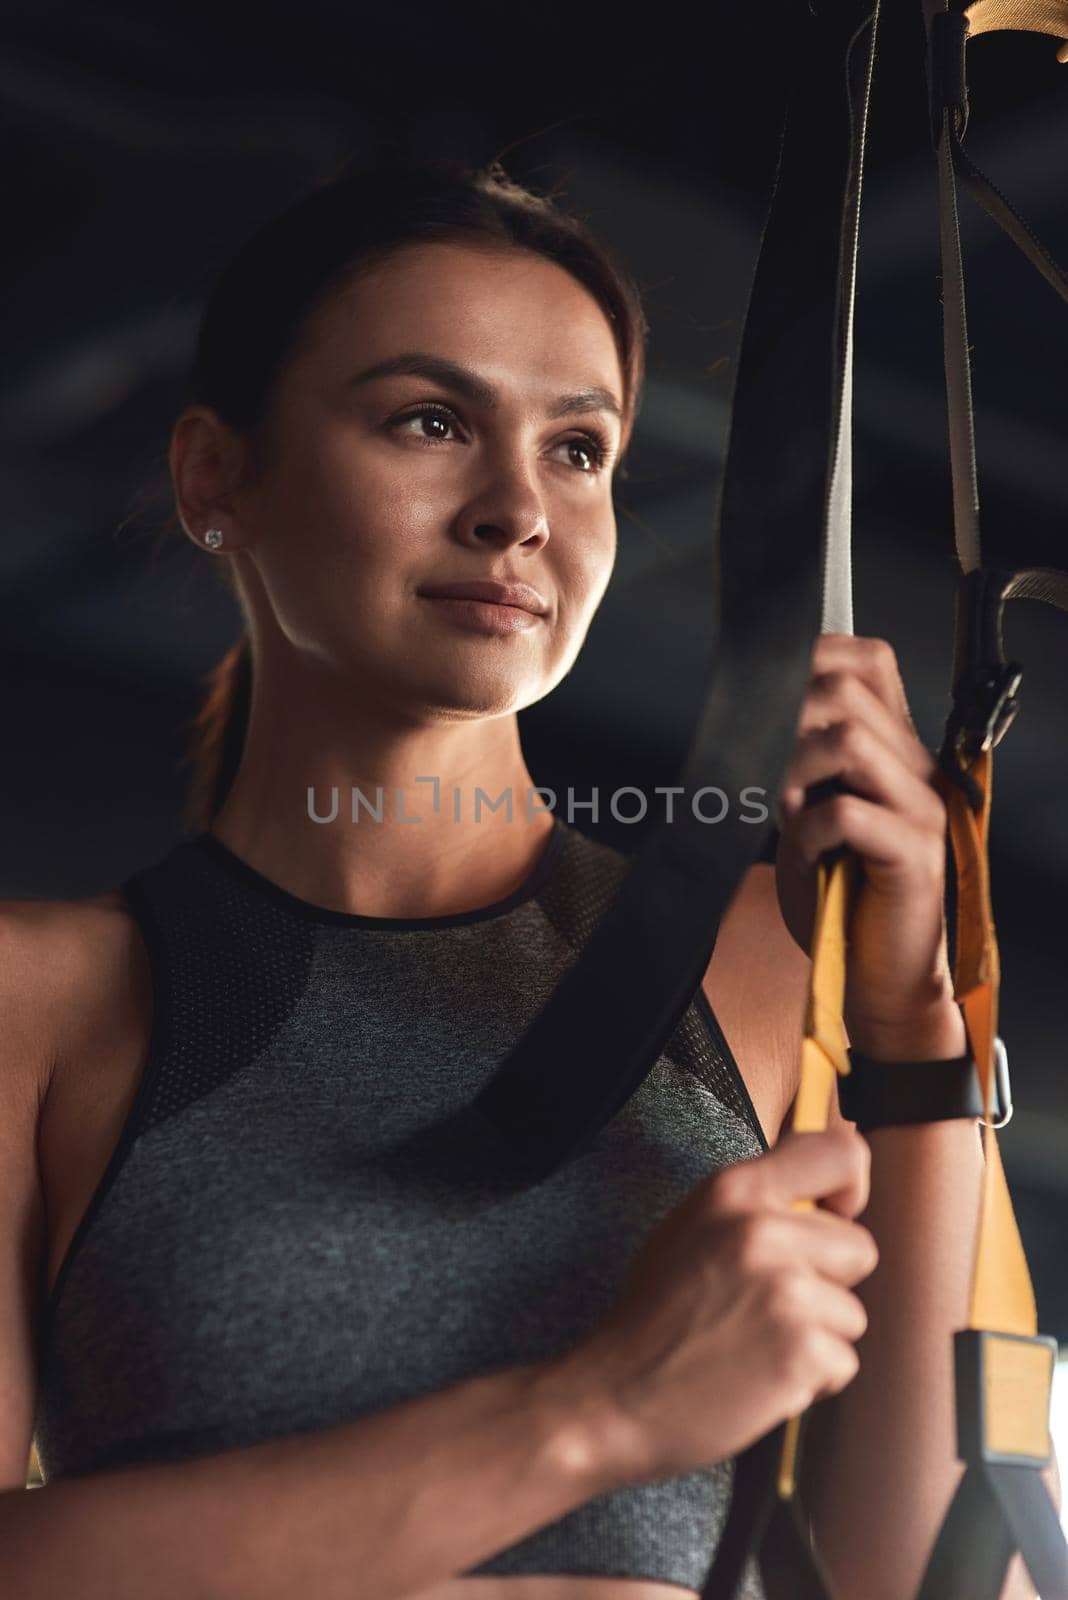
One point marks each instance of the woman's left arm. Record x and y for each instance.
(880, 1461)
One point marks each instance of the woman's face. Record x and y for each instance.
(381, 486)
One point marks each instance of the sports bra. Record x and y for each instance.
(285, 1238)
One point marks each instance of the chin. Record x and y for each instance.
(498, 698)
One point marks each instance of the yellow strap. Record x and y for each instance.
(823, 1053)
(1029, 16)
(1002, 1296)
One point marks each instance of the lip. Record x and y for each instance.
(519, 595)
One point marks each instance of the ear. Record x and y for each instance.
(208, 461)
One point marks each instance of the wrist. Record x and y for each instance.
(933, 1033)
(595, 1442)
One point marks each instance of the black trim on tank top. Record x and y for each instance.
(159, 1039)
(704, 1005)
(307, 909)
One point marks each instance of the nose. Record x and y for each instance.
(511, 512)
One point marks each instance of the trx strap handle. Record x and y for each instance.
(608, 1019)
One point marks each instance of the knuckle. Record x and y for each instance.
(843, 737)
(848, 1367)
(854, 1150)
(860, 1317)
(751, 1246)
(871, 1248)
(832, 685)
(804, 1356)
(787, 1300)
(880, 652)
(937, 811)
(842, 809)
(726, 1190)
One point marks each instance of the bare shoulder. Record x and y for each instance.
(62, 964)
(757, 983)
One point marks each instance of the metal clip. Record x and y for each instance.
(1004, 1087)
(988, 702)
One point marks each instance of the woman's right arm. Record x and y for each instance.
(388, 1505)
(734, 1315)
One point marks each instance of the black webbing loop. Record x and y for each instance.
(764, 1527)
(948, 88)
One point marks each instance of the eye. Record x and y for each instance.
(596, 446)
(441, 414)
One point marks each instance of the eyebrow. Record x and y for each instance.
(450, 375)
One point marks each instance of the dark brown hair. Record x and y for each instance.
(258, 309)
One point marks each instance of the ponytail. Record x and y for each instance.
(218, 736)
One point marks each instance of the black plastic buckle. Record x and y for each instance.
(986, 705)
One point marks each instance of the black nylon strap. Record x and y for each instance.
(972, 1552)
(996, 1511)
(1029, 1514)
(608, 1019)
(948, 82)
(774, 1532)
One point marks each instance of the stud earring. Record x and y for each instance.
(213, 538)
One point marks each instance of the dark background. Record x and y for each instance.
(141, 145)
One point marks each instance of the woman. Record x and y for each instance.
(272, 1355)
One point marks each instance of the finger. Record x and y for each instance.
(873, 660)
(833, 1166)
(859, 757)
(842, 696)
(820, 1245)
(883, 837)
(821, 1300)
(840, 1361)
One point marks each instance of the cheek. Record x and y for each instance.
(357, 508)
(592, 561)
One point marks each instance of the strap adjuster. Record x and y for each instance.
(987, 701)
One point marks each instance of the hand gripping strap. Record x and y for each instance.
(765, 1518)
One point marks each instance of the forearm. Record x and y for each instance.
(387, 1505)
(881, 1463)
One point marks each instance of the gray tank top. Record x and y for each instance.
(284, 1237)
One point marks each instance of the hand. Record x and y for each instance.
(855, 726)
(736, 1313)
